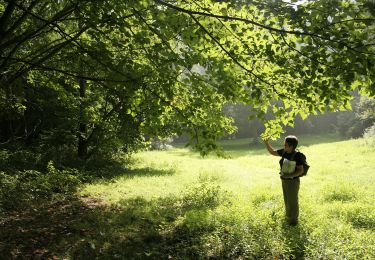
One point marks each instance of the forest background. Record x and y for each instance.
(87, 85)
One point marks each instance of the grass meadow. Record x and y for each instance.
(175, 204)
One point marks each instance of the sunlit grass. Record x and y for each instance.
(336, 199)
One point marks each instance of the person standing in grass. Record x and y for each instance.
(291, 168)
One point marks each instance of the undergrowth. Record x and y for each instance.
(175, 205)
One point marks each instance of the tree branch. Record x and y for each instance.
(71, 73)
(55, 49)
(233, 18)
(346, 21)
(247, 21)
(235, 60)
(21, 19)
(4, 19)
(28, 34)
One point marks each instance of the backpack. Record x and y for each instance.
(305, 165)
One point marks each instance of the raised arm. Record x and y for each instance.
(270, 148)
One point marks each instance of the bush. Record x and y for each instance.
(369, 137)
(19, 159)
(20, 188)
(369, 132)
(161, 144)
(202, 196)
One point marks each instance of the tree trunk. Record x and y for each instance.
(82, 131)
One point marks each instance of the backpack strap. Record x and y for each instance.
(292, 158)
(294, 154)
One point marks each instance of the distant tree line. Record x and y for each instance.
(350, 124)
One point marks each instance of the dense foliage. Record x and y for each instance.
(106, 76)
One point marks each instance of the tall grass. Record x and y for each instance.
(175, 204)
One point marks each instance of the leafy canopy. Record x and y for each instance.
(154, 68)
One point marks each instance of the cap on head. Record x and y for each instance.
(292, 141)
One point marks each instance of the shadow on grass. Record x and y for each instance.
(84, 229)
(296, 238)
(32, 233)
(175, 227)
(120, 171)
(148, 172)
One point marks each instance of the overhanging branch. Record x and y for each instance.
(235, 60)
(269, 28)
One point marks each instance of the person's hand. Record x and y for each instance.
(286, 176)
(265, 137)
(269, 136)
(290, 176)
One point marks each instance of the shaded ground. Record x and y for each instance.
(34, 232)
(185, 226)
(168, 228)
(85, 229)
